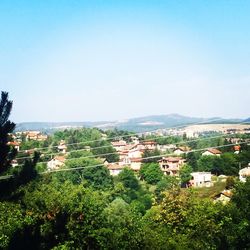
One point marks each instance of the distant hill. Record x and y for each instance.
(247, 120)
(139, 124)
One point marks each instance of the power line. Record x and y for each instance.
(145, 140)
(131, 134)
(113, 153)
(144, 158)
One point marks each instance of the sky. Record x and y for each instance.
(76, 60)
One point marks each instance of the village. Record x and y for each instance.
(169, 157)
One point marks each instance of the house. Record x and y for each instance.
(114, 169)
(236, 149)
(14, 144)
(244, 173)
(135, 153)
(135, 163)
(62, 148)
(201, 179)
(150, 145)
(35, 135)
(134, 139)
(181, 150)
(56, 163)
(164, 148)
(171, 165)
(212, 152)
(132, 162)
(41, 137)
(119, 145)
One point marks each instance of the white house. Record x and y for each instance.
(56, 163)
(201, 179)
(181, 150)
(114, 169)
(212, 152)
(62, 148)
(135, 164)
(244, 173)
(135, 153)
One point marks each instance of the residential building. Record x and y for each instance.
(35, 135)
(150, 145)
(171, 165)
(135, 164)
(181, 150)
(212, 152)
(114, 169)
(62, 148)
(201, 179)
(244, 173)
(56, 163)
(14, 144)
(119, 145)
(236, 149)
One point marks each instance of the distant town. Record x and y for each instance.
(169, 148)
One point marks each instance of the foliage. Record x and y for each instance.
(7, 153)
(151, 173)
(230, 182)
(128, 178)
(226, 164)
(185, 173)
(91, 171)
(12, 218)
(166, 183)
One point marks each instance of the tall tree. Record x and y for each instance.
(7, 153)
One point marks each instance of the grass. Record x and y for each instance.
(210, 192)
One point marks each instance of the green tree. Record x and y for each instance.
(123, 229)
(128, 178)
(185, 174)
(212, 164)
(91, 171)
(192, 159)
(7, 153)
(230, 164)
(151, 173)
(166, 183)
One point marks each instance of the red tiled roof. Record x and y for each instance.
(184, 148)
(114, 167)
(214, 151)
(118, 143)
(13, 143)
(149, 143)
(171, 159)
(59, 158)
(136, 159)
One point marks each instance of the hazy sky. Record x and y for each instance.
(76, 60)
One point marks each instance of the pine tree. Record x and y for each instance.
(7, 153)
